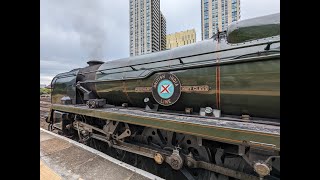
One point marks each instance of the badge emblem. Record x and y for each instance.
(166, 89)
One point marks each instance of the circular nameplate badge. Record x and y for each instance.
(166, 89)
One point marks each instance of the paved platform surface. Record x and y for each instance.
(47, 173)
(63, 158)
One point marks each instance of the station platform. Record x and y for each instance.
(63, 158)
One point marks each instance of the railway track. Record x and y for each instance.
(44, 110)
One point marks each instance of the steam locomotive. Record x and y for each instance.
(208, 110)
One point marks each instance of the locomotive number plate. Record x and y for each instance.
(195, 88)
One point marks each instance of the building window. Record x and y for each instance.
(206, 36)
(205, 8)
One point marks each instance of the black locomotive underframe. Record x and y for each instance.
(181, 151)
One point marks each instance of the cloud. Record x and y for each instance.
(50, 68)
(182, 15)
(73, 32)
(255, 8)
(46, 80)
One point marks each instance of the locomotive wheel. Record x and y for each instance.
(169, 140)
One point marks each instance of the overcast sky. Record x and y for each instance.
(75, 31)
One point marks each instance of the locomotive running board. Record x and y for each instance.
(255, 135)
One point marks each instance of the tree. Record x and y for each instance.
(45, 91)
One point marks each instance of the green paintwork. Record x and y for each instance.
(228, 135)
(253, 29)
(64, 86)
(246, 88)
(253, 32)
